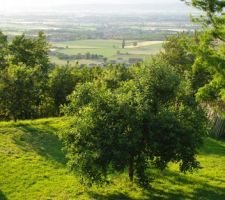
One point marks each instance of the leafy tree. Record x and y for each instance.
(176, 53)
(31, 52)
(135, 43)
(15, 92)
(114, 75)
(213, 17)
(135, 126)
(123, 44)
(3, 50)
(24, 78)
(62, 81)
(210, 50)
(179, 52)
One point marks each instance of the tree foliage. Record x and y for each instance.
(209, 50)
(213, 17)
(136, 126)
(24, 67)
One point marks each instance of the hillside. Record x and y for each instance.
(33, 166)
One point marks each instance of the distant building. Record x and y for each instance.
(83, 65)
(92, 65)
(101, 64)
(53, 49)
(135, 60)
(112, 62)
(120, 61)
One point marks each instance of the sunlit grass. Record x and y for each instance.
(33, 166)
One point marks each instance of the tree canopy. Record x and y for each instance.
(141, 124)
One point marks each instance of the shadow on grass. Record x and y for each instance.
(42, 140)
(152, 194)
(206, 192)
(203, 192)
(2, 196)
(202, 189)
(114, 196)
(157, 194)
(213, 147)
(194, 189)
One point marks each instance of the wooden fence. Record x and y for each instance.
(218, 128)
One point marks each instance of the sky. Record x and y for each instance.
(61, 2)
(29, 5)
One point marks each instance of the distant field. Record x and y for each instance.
(144, 44)
(56, 60)
(33, 167)
(111, 49)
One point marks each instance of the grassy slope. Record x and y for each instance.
(32, 166)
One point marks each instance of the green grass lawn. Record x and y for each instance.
(33, 166)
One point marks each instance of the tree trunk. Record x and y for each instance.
(131, 169)
(14, 117)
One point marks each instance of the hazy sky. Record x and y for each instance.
(61, 2)
(26, 5)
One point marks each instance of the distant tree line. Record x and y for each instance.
(79, 56)
(117, 33)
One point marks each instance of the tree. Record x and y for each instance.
(123, 44)
(114, 75)
(209, 52)
(3, 50)
(135, 43)
(176, 53)
(135, 126)
(62, 81)
(213, 17)
(31, 52)
(16, 92)
(24, 78)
